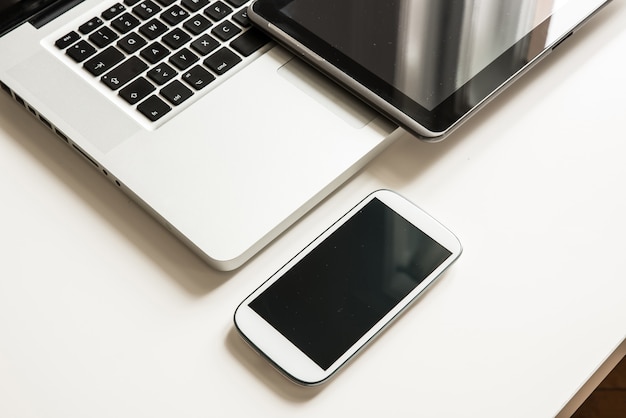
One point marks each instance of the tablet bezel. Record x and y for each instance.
(443, 118)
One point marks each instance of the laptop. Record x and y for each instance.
(225, 137)
(220, 134)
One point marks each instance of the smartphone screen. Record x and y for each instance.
(339, 290)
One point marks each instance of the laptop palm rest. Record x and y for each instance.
(354, 112)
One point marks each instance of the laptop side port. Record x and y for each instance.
(87, 157)
(58, 133)
(62, 136)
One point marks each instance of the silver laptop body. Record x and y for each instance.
(228, 169)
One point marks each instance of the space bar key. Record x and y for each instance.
(124, 72)
(250, 42)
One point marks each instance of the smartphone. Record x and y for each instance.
(427, 65)
(336, 295)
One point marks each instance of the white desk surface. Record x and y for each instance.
(105, 314)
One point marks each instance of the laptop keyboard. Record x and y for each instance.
(157, 54)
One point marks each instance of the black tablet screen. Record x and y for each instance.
(426, 49)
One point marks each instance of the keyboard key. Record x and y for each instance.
(104, 61)
(153, 108)
(176, 38)
(205, 45)
(222, 61)
(113, 11)
(124, 73)
(135, 46)
(174, 15)
(103, 37)
(153, 29)
(81, 51)
(197, 24)
(226, 30)
(162, 73)
(198, 77)
(154, 53)
(90, 25)
(217, 11)
(67, 40)
(132, 43)
(125, 23)
(241, 17)
(183, 59)
(176, 92)
(146, 10)
(194, 5)
(249, 42)
(137, 90)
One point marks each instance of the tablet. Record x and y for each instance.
(426, 64)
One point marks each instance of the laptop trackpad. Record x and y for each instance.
(337, 100)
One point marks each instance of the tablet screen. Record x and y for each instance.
(427, 49)
(433, 60)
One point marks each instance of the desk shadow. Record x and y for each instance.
(267, 374)
(143, 231)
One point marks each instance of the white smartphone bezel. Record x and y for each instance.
(287, 357)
